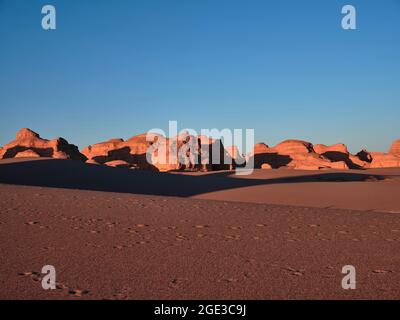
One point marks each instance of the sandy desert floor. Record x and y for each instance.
(126, 234)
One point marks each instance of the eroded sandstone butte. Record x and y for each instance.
(199, 153)
(159, 153)
(29, 144)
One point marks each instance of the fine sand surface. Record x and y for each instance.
(126, 234)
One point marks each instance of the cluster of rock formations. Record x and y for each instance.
(29, 144)
(198, 153)
(303, 155)
(159, 153)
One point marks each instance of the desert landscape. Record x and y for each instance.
(199, 153)
(116, 227)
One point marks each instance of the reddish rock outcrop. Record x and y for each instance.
(132, 151)
(395, 148)
(118, 164)
(233, 153)
(339, 147)
(27, 154)
(297, 154)
(29, 143)
(339, 153)
(384, 160)
(266, 166)
(163, 154)
(291, 147)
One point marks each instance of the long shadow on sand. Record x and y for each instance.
(78, 175)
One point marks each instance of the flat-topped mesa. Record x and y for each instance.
(29, 144)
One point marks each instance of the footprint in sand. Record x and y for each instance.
(31, 223)
(78, 292)
(180, 237)
(32, 274)
(177, 282)
(295, 272)
(232, 237)
(228, 280)
(142, 225)
(260, 225)
(200, 226)
(381, 271)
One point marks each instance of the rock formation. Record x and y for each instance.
(159, 153)
(295, 154)
(384, 160)
(339, 152)
(188, 152)
(395, 148)
(30, 144)
(381, 159)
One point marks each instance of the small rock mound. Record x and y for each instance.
(266, 166)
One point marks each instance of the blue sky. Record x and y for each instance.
(119, 68)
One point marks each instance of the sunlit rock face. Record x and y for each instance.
(29, 144)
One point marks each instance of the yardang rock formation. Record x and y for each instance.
(199, 153)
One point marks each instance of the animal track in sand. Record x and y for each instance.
(295, 272)
(35, 276)
(36, 223)
(180, 237)
(228, 280)
(235, 227)
(177, 282)
(248, 275)
(200, 226)
(382, 271)
(260, 225)
(31, 223)
(142, 225)
(232, 237)
(78, 292)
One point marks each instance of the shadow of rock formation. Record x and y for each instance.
(78, 175)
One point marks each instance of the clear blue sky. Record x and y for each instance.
(285, 68)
